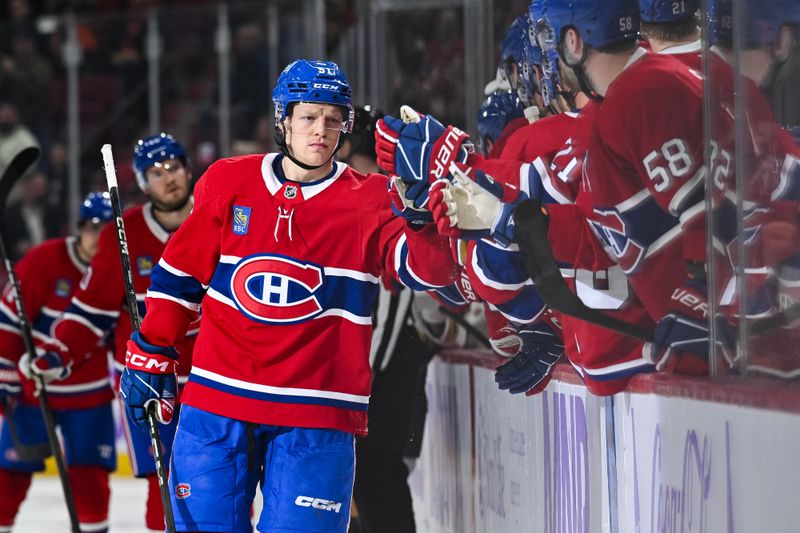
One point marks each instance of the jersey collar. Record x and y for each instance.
(152, 224)
(72, 243)
(275, 182)
(687, 48)
(636, 56)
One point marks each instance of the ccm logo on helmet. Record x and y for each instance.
(318, 503)
(276, 289)
(328, 86)
(443, 157)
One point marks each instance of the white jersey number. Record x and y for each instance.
(606, 289)
(671, 161)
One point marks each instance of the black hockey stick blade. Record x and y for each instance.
(26, 452)
(19, 165)
(542, 267)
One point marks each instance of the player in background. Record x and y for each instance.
(671, 27)
(285, 252)
(638, 210)
(80, 396)
(520, 68)
(98, 307)
(494, 115)
(643, 178)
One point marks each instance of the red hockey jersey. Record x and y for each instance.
(643, 180)
(49, 274)
(287, 274)
(98, 307)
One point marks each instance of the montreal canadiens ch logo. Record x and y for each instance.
(274, 289)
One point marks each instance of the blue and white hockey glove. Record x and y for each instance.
(681, 340)
(149, 377)
(418, 149)
(402, 206)
(50, 363)
(533, 349)
(473, 206)
(10, 386)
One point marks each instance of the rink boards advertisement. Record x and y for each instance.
(693, 466)
(565, 461)
(509, 461)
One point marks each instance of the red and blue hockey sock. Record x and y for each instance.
(92, 494)
(154, 511)
(14, 487)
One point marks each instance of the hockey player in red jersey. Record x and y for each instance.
(639, 209)
(80, 396)
(285, 252)
(98, 307)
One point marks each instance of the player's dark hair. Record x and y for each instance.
(676, 30)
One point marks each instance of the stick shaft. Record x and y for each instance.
(136, 322)
(44, 404)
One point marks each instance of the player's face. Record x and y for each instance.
(168, 184)
(88, 237)
(312, 132)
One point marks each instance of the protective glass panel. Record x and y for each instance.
(753, 65)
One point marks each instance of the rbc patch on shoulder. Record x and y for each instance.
(63, 288)
(241, 219)
(144, 265)
(183, 491)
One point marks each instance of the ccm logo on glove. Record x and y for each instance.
(444, 156)
(155, 364)
(318, 503)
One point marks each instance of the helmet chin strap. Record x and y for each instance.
(280, 140)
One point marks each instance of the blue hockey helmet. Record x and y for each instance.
(667, 10)
(309, 81)
(152, 150)
(599, 22)
(516, 50)
(496, 112)
(96, 207)
(512, 47)
(760, 22)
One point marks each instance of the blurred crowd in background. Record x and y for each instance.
(113, 84)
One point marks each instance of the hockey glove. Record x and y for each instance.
(10, 386)
(534, 350)
(149, 377)
(681, 338)
(49, 364)
(404, 207)
(418, 151)
(474, 206)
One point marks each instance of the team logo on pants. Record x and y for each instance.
(183, 490)
(275, 289)
(318, 503)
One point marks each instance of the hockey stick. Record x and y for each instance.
(136, 322)
(15, 170)
(546, 275)
(531, 236)
(470, 329)
(26, 452)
